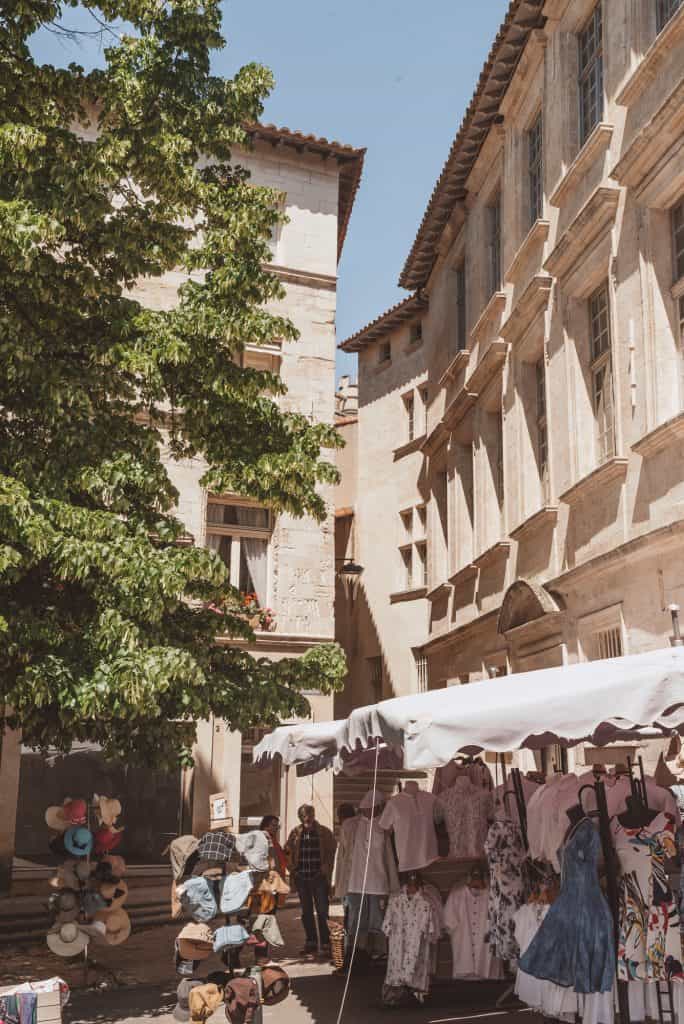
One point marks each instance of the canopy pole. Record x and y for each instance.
(610, 861)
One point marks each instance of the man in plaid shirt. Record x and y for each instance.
(310, 850)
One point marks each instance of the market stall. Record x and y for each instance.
(526, 899)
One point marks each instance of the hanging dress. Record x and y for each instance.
(650, 947)
(411, 926)
(574, 946)
(505, 854)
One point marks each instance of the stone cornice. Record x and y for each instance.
(542, 519)
(597, 143)
(495, 553)
(663, 436)
(488, 367)
(528, 66)
(653, 164)
(534, 239)
(460, 360)
(327, 282)
(457, 409)
(531, 303)
(494, 308)
(648, 67)
(589, 226)
(414, 594)
(612, 469)
(464, 574)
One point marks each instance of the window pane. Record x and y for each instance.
(678, 238)
(665, 10)
(599, 323)
(535, 170)
(421, 568)
(461, 340)
(253, 568)
(407, 559)
(237, 515)
(602, 387)
(410, 413)
(591, 74)
(494, 217)
(221, 545)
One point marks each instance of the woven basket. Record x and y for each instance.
(336, 943)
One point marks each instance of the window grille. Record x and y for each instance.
(422, 672)
(607, 643)
(678, 239)
(591, 74)
(601, 374)
(461, 338)
(535, 169)
(494, 216)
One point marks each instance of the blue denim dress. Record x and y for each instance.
(574, 946)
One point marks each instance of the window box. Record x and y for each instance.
(534, 239)
(653, 164)
(657, 54)
(663, 436)
(414, 594)
(495, 553)
(542, 519)
(411, 446)
(597, 143)
(613, 469)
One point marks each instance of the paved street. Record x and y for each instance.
(135, 982)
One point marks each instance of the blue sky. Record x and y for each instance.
(392, 75)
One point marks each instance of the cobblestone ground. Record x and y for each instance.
(135, 984)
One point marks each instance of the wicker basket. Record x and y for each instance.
(336, 943)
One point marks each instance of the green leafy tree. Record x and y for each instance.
(108, 179)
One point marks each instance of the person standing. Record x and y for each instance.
(310, 850)
(271, 825)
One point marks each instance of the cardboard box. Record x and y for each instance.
(218, 811)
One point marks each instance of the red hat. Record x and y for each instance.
(106, 840)
(75, 811)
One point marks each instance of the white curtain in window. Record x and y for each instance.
(256, 558)
(213, 541)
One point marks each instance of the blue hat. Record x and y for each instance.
(78, 841)
(236, 888)
(197, 898)
(229, 935)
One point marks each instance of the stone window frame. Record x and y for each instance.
(385, 352)
(412, 547)
(677, 235)
(665, 10)
(541, 413)
(601, 371)
(601, 633)
(461, 321)
(493, 224)
(535, 167)
(237, 532)
(591, 73)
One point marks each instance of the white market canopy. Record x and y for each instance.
(598, 702)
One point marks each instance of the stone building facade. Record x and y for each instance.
(288, 562)
(520, 485)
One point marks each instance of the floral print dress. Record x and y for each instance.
(411, 925)
(650, 945)
(506, 855)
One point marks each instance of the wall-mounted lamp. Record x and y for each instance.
(350, 573)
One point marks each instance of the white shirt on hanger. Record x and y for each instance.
(379, 881)
(412, 814)
(465, 918)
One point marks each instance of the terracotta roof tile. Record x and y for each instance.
(521, 18)
(404, 310)
(349, 158)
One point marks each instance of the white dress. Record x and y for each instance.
(546, 997)
(465, 918)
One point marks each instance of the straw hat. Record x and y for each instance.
(107, 809)
(195, 941)
(117, 924)
(67, 940)
(116, 863)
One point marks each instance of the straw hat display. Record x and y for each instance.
(67, 939)
(71, 812)
(117, 925)
(107, 810)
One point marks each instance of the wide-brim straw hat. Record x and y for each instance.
(118, 925)
(67, 940)
(107, 809)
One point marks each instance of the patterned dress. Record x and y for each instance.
(650, 946)
(411, 925)
(505, 853)
(466, 810)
